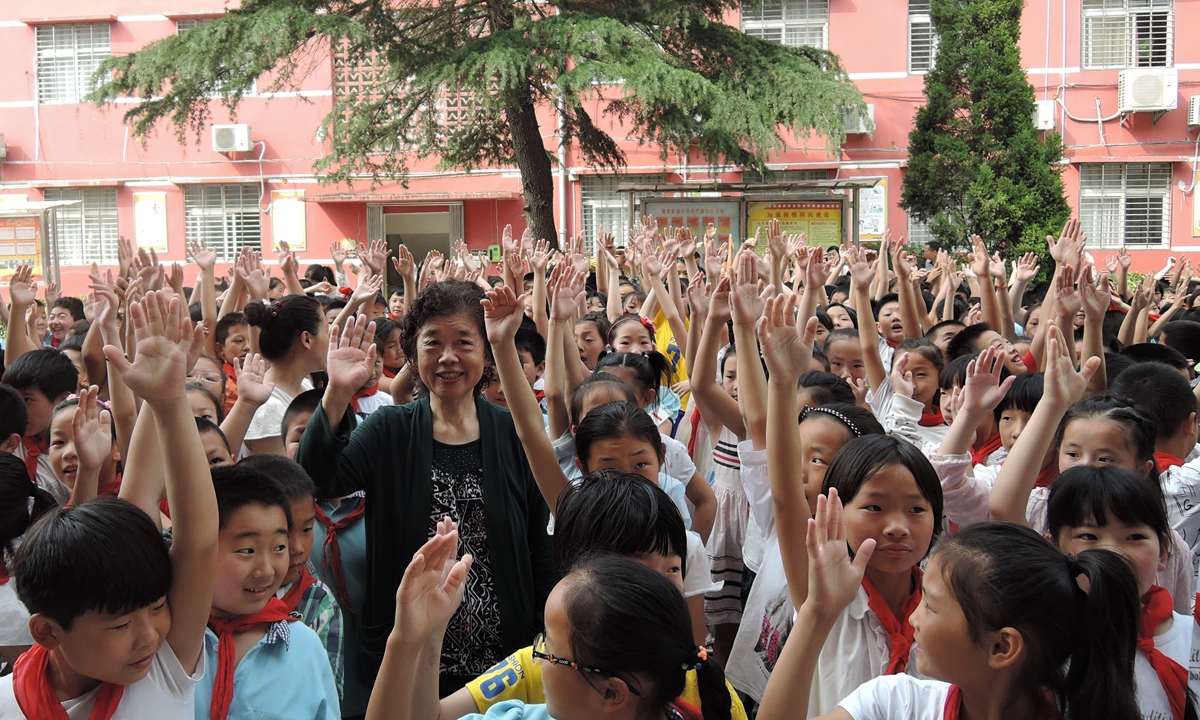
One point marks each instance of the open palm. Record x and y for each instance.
(834, 579)
(432, 588)
(351, 356)
(786, 352)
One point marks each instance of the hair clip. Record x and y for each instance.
(808, 410)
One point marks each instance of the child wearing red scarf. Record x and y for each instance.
(44, 378)
(117, 621)
(260, 662)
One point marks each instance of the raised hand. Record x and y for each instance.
(902, 379)
(251, 385)
(52, 293)
(405, 265)
(980, 262)
(502, 315)
(368, 288)
(565, 290)
(777, 240)
(1066, 250)
(1069, 300)
(745, 300)
(22, 290)
(257, 280)
(106, 303)
(432, 588)
(1064, 386)
(1096, 296)
(374, 256)
(289, 266)
(698, 293)
(718, 302)
(149, 269)
(124, 257)
(175, 279)
(93, 432)
(786, 348)
(540, 257)
(982, 390)
(1124, 259)
(163, 335)
(1027, 267)
(834, 579)
(204, 258)
(351, 356)
(337, 253)
(861, 271)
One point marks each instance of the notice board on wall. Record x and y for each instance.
(820, 219)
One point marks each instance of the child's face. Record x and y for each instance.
(1137, 543)
(632, 304)
(647, 395)
(594, 304)
(1035, 319)
(202, 406)
(38, 408)
(331, 315)
(77, 360)
(533, 371)
(729, 376)
(845, 359)
(393, 354)
(1012, 422)
(376, 373)
(603, 394)
(378, 309)
(841, 318)
(944, 335)
(821, 436)
(589, 342)
(215, 450)
(63, 457)
(821, 333)
(59, 321)
(924, 377)
(252, 560)
(669, 565)
(300, 539)
(632, 337)
(890, 508)
(1012, 360)
(295, 431)
(889, 323)
(208, 374)
(112, 648)
(237, 343)
(450, 356)
(839, 296)
(37, 318)
(396, 305)
(1098, 441)
(943, 636)
(627, 454)
(495, 394)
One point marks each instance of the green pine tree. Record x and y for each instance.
(670, 71)
(976, 163)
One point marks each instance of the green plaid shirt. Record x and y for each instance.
(319, 610)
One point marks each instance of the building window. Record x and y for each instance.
(1125, 204)
(922, 41)
(918, 232)
(67, 57)
(1128, 33)
(603, 205)
(87, 230)
(786, 176)
(226, 217)
(790, 22)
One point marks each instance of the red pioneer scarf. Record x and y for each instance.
(362, 393)
(1173, 676)
(980, 456)
(291, 598)
(900, 631)
(222, 695)
(333, 552)
(35, 696)
(1166, 460)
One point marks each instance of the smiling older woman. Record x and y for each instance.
(450, 453)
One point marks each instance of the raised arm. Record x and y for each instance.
(746, 305)
(406, 268)
(981, 265)
(982, 392)
(165, 336)
(502, 314)
(22, 291)
(252, 393)
(713, 401)
(868, 333)
(1024, 270)
(1139, 302)
(910, 315)
(92, 439)
(289, 268)
(537, 264)
(368, 288)
(1096, 298)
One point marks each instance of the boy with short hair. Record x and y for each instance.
(231, 341)
(259, 662)
(44, 378)
(301, 592)
(102, 589)
(396, 302)
(64, 313)
(295, 419)
(13, 419)
(216, 445)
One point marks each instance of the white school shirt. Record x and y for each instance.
(1175, 643)
(46, 479)
(166, 693)
(900, 417)
(898, 697)
(697, 580)
(1181, 485)
(268, 418)
(14, 618)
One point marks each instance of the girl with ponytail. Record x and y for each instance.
(1008, 626)
(618, 642)
(21, 504)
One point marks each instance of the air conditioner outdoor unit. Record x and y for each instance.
(1194, 111)
(1043, 114)
(1147, 90)
(857, 125)
(231, 138)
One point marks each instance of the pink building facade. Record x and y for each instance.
(1115, 78)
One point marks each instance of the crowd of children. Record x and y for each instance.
(682, 479)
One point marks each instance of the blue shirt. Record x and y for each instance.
(512, 710)
(286, 675)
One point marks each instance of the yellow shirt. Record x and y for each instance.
(519, 677)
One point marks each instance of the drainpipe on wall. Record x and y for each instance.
(562, 177)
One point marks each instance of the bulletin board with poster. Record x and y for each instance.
(820, 219)
(287, 219)
(695, 214)
(21, 244)
(872, 211)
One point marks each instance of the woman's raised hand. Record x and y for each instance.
(833, 578)
(432, 587)
(351, 356)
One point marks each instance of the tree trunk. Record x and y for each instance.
(537, 174)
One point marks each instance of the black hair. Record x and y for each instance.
(641, 296)
(861, 420)
(650, 369)
(1184, 336)
(291, 477)
(600, 320)
(859, 460)
(824, 319)
(1156, 352)
(238, 486)
(591, 383)
(17, 513)
(317, 272)
(1140, 430)
(72, 342)
(825, 388)
(446, 299)
(217, 404)
(615, 420)
(1007, 575)
(204, 425)
(281, 322)
(13, 415)
(923, 347)
(335, 303)
(532, 342)
(306, 402)
(230, 320)
(849, 311)
(632, 622)
(820, 355)
(619, 513)
(877, 306)
(1114, 364)
(104, 555)
(933, 245)
(1159, 391)
(842, 334)
(46, 370)
(603, 296)
(964, 342)
(1096, 495)
(1024, 394)
(72, 305)
(384, 327)
(943, 324)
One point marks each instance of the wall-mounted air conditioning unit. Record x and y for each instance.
(1193, 111)
(858, 125)
(1147, 90)
(231, 138)
(1043, 114)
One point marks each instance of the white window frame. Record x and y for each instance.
(87, 231)
(921, 36)
(67, 56)
(918, 232)
(788, 21)
(1126, 204)
(226, 217)
(600, 203)
(1105, 18)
